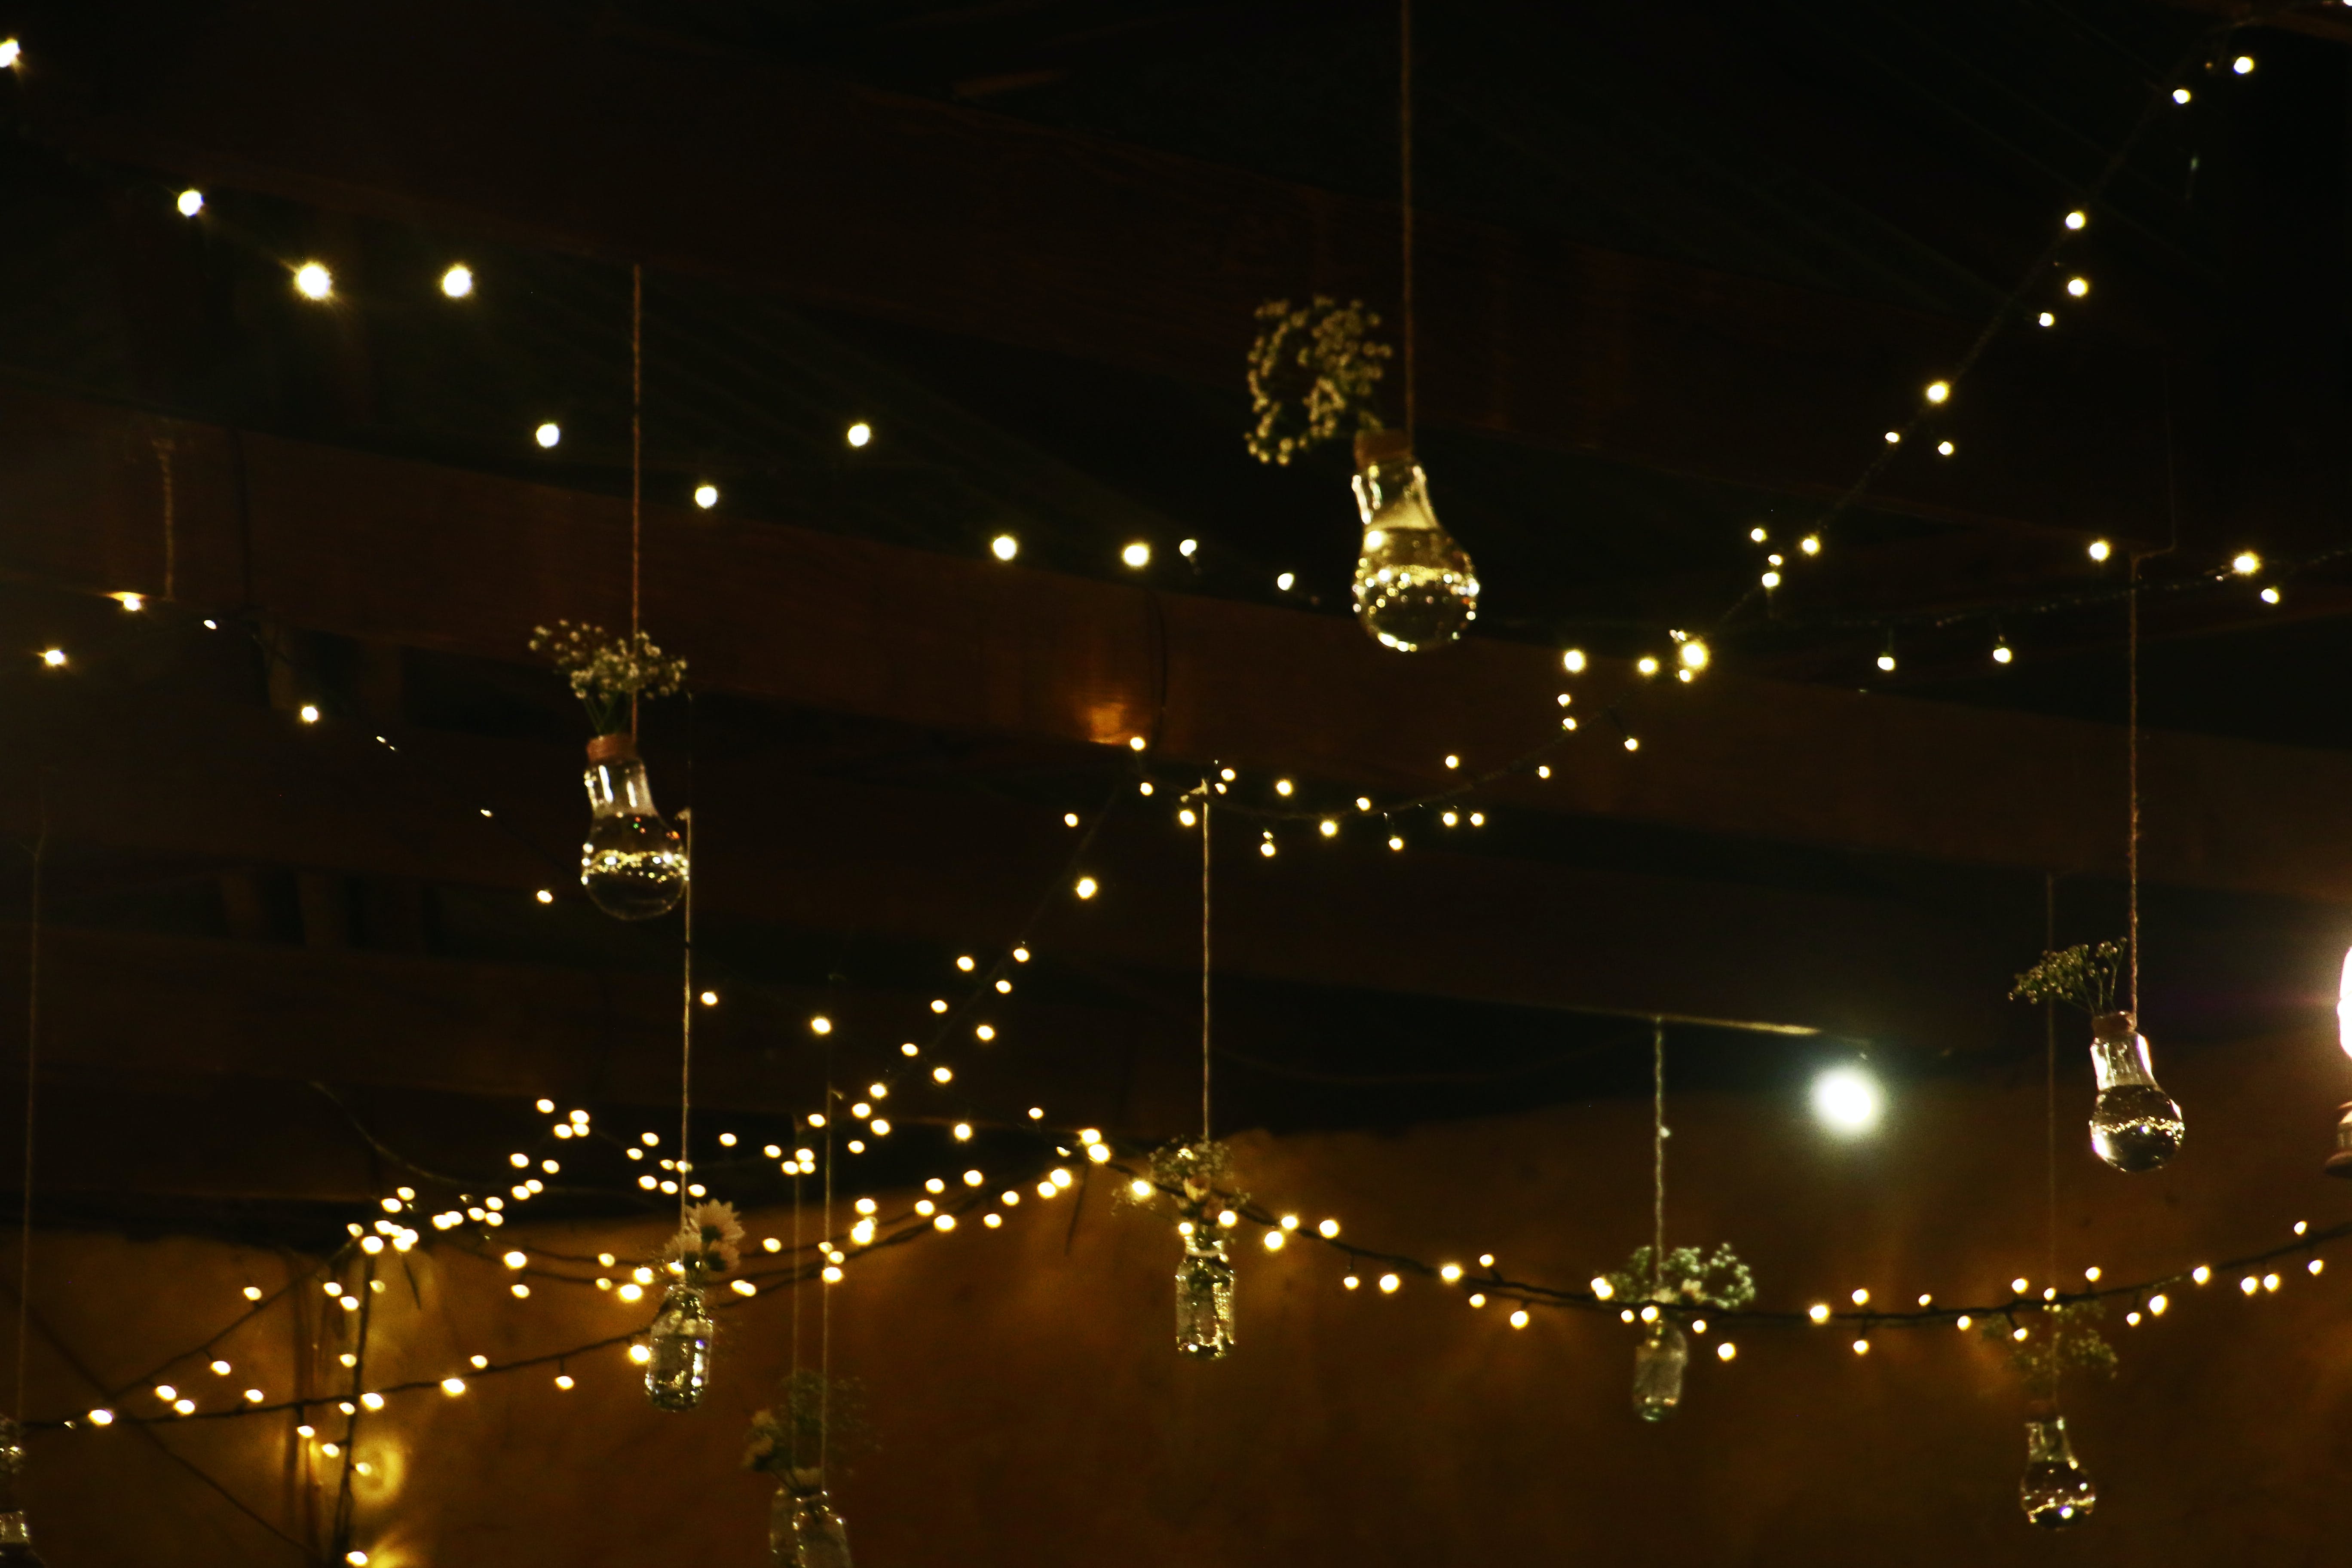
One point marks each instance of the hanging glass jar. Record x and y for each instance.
(678, 1366)
(1415, 587)
(15, 1536)
(1204, 1293)
(2056, 1490)
(1658, 1363)
(634, 864)
(2135, 1125)
(803, 1530)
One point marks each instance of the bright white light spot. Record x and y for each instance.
(1939, 391)
(459, 282)
(2245, 563)
(55, 658)
(706, 496)
(2344, 1007)
(1886, 662)
(1285, 581)
(190, 203)
(2100, 550)
(1572, 661)
(310, 712)
(2180, 95)
(313, 281)
(2243, 65)
(1848, 1100)
(2078, 286)
(549, 434)
(1004, 547)
(11, 51)
(1086, 888)
(2076, 219)
(1138, 555)
(2045, 320)
(859, 433)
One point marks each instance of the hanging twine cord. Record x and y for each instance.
(1657, 1156)
(32, 1063)
(1404, 202)
(2131, 768)
(825, 1302)
(685, 1030)
(2050, 1077)
(162, 445)
(1205, 962)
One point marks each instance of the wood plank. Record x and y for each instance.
(404, 552)
(983, 226)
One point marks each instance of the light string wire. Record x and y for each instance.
(824, 1297)
(32, 1094)
(2159, 94)
(2050, 1078)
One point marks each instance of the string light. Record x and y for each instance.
(547, 434)
(859, 433)
(2099, 549)
(2245, 563)
(11, 51)
(1137, 555)
(313, 281)
(459, 282)
(2078, 286)
(706, 496)
(191, 201)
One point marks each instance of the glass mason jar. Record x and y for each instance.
(802, 1529)
(1658, 1362)
(2135, 1125)
(1414, 585)
(1204, 1298)
(2056, 1490)
(678, 1369)
(634, 864)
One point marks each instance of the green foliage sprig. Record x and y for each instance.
(816, 1423)
(2080, 978)
(606, 670)
(1197, 1178)
(2061, 1340)
(1312, 373)
(1689, 1277)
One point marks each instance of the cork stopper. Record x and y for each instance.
(1382, 448)
(618, 748)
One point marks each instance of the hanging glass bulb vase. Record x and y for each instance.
(2135, 1125)
(1204, 1293)
(2056, 1490)
(16, 1537)
(803, 1530)
(1658, 1363)
(1415, 587)
(634, 864)
(678, 1366)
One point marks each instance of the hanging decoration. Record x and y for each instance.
(1194, 1175)
(2135, 1125)
(2056, 1490)
(705, 1249)
(2339, 1164)
(1415, 587)
(15, 1536)
(820, 1416)
(1672, 1286)
(634, 864)
(1313, 369)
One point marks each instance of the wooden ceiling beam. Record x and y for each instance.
(982, 226)
(402, 552)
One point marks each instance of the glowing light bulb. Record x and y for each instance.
(2099, 549)
(2056, 1490)
(2078, 286)
(11, 51)
(634, 865)
(313, 281)
(2046, 319)
(1085, 888)
(1694, 655)
(548, 435)
(2180, 95)
(1414, 586)
(1770, 580)
(1004, 547)
(459, 282)
(2245, 563)
(2135, 1125)
(859, 433)
(1137, 555)
(2076, 220)
(1886, 662)
(1848, 1100)
(2243, 65)
(55, 658)
(706, 496)
(190, 203)
(1939, 391)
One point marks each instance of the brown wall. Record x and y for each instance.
(1032, 1411)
